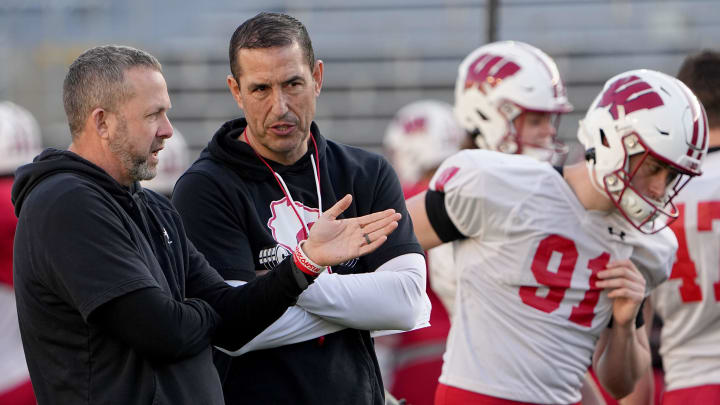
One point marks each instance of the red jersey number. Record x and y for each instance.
(684, 267)
(558, 282)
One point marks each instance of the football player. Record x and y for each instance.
(555, 263)
(689, 303)
(516, 110)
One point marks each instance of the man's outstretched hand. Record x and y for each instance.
(333, 241)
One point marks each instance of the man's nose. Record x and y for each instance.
(279, 103)
(166, 129)
(656, 186)
(549, 129)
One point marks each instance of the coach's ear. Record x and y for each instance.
(234, 87)
(99, 122)
(317, 75)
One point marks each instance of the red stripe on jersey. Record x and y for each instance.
(444, 177)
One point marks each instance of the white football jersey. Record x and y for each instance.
(528, 313)
(443, 275)
(689, 303)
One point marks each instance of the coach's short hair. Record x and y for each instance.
(97, 79)
(701, 73)
(267, 30)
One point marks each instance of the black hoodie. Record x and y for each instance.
(237, 215)
(84, 243)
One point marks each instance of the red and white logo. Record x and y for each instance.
(415, 125)
(489, 70)
(632, 93)
(285, 226)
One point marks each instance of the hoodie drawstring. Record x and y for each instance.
(286, 190)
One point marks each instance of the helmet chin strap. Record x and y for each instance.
(636, 209)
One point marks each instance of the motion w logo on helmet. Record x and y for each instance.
(489, 69)
(414, 126)
(632, 93)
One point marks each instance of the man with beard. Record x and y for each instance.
(251, 198)
(115, 303)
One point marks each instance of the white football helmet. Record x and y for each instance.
(421, 135)
(496, 83)
(19, 137)
(647, 113)
(173, 161)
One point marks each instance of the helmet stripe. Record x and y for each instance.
(705, 132)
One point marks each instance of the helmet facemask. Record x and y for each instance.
(647, 214)
(547, 149)
(509, 119)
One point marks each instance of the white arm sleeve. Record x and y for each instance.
(294, 326)
(393, 297)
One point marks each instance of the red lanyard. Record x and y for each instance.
(275, 176)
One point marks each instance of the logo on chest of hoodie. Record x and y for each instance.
(286, 227)
(288, 231)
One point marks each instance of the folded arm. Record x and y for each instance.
(294, 326)
(156, 325)
(392, 297)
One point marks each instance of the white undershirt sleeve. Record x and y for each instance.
(392, 297)
(294, 326)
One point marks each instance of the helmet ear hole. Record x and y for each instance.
(480, 113)
(590, 155)
(603, 139)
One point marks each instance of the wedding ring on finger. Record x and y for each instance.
(367, 238)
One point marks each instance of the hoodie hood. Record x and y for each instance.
(227, 148)
(53, 161)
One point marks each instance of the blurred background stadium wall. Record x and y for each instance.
(379, 55)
